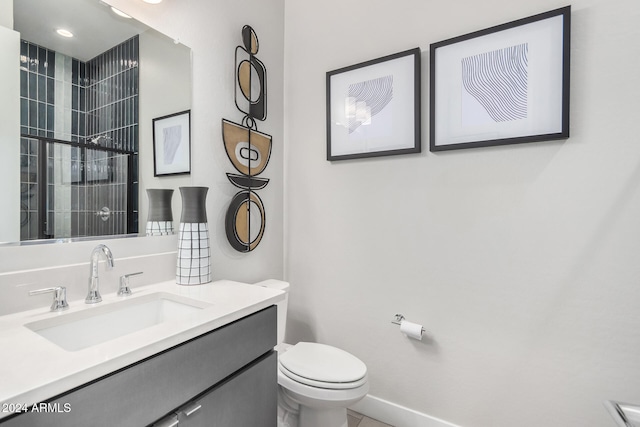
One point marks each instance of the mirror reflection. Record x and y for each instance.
(86, 106)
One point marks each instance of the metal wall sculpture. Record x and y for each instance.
(248, 149)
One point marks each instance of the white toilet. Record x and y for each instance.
(317, 382)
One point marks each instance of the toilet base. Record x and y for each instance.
(322, 417)
(288, 411)
(295, 410)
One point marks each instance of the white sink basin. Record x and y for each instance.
(102, 323)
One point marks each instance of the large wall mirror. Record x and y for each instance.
(86, 108)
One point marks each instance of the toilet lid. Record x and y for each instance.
(323, 363)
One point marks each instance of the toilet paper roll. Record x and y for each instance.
(411, 330)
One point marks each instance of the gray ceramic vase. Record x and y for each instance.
(160, 218)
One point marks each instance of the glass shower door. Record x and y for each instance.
(107, 195)
(87, 192)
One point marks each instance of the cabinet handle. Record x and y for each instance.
(170, 421)
(191, 409)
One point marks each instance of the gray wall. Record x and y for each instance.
(165, 88)
(6, 13)
(522, 261)
(9, 130)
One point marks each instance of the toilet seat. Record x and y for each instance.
(321, 384)
(320, 397)
(322, 366)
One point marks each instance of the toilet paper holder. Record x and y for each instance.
(398, 318)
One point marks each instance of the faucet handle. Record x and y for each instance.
(124, 289)
(59, 297)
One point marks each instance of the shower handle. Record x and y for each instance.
(104, 214)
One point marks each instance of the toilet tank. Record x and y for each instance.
(282, 305)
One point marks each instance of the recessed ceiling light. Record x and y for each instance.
(152, 1)
(120, 13)
(64, 33)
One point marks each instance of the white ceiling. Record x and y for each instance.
(95, 27)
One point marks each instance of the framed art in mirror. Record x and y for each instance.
(373, 108)
(507, 84)
(172, 144)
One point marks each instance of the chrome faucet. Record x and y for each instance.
(94, 285)
(624, 414)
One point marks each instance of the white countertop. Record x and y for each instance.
(33, 369)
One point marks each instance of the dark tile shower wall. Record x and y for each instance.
(29, 189)
(95, 102)
(112, 103)
(52, 98)
(112, 122)
(37, 118)
(37, 90)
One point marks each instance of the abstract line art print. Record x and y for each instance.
(172, 137)
(497, 80)
(507, 84)
(373, 108)
(172, 144)
(366, 99)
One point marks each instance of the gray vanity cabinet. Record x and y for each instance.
(225, 378)
(246, 399)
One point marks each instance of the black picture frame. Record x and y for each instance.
(172, 144)
(373, 108)
(507, 84)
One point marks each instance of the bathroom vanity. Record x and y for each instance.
(215, 364)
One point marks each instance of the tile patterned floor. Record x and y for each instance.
(358, 420)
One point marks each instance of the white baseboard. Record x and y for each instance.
(396, 415)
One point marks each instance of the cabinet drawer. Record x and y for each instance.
(247, 399)
(144, 392)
